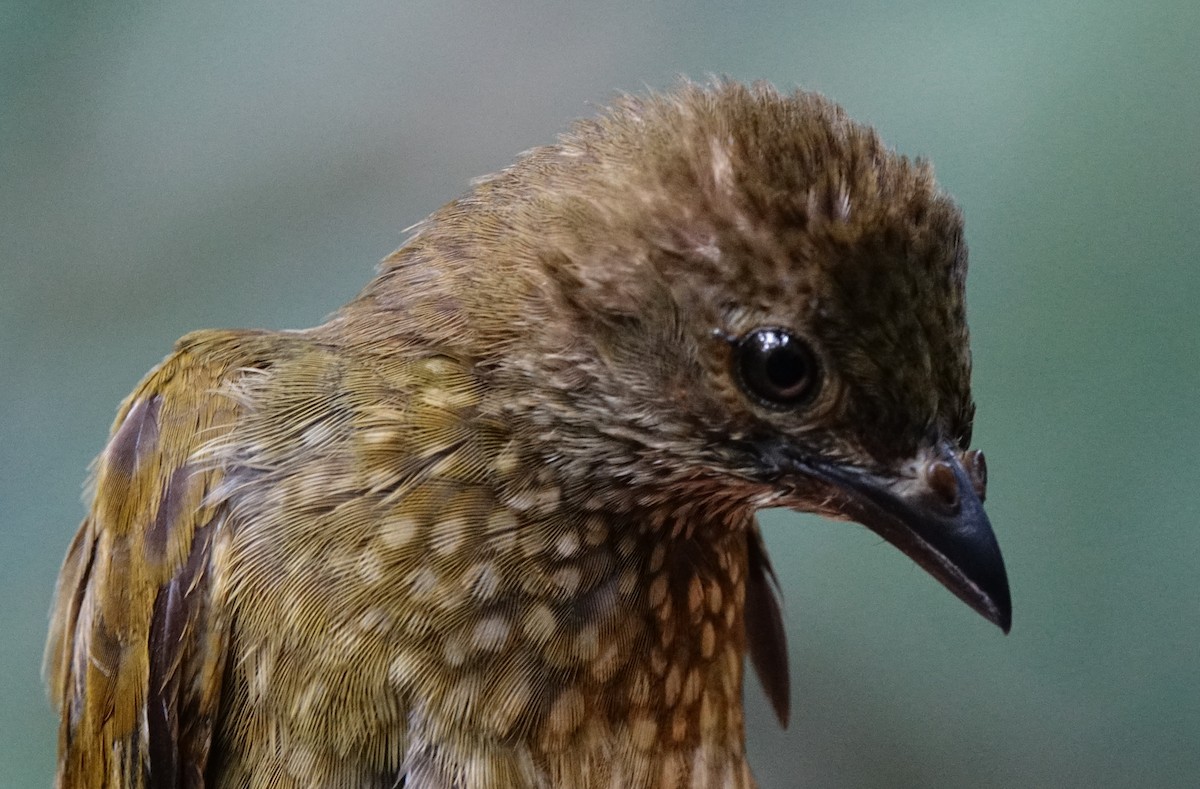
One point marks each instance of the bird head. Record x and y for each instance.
(732, 293)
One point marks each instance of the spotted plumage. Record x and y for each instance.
(492, 524)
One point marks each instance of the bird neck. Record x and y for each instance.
(637, 618)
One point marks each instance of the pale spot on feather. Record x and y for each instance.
(695, 599)
(404, 668)
(317, 434)
(708, 640)
(722, 166)
(370, 568)
(375, 620)
(566, 579)
(708, 250)
(301, 762)
(535, 541)
(465, 696)
(422, 583)
(540, 501)
(605, 666)
(547, 499)
(450, 533)
(565, 714)
(491, 634)
(482, 581)
(501, 532)
(508, 702)
(733, 664)
(679, 729)
(260, 667)
(567, 544)
(703, 765)
(349, 642)
(841, 205)
(309, 700)
(658, 662)
(813, 203)
(454, 651)
(501, 521)
(691, 688)
(679, 526)
(437, 367)
(397, 530)
(595, 531)
(587, 642)
(457, 399)
(673, 685)
(379, 435)
(709, 713)
(666, 637)
(665, 612)
(539, 624)
(643, 732)
(507, 461)
(640, 690)
(658, 590)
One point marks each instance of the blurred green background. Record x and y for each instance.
(170, 166)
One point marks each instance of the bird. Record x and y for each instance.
(493, 523)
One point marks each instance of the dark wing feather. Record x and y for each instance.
(765, 635)
(137, 638)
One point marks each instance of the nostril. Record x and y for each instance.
(941, 480)
(977, 470)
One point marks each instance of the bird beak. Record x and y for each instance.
(936, 517)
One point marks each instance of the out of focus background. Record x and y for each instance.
(175, 165)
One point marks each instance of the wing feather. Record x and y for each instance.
(137, 634)
(765, 634)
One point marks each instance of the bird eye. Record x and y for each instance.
(776, 367)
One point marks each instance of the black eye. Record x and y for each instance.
(776, 367)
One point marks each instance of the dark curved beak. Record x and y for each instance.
(934, 516)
